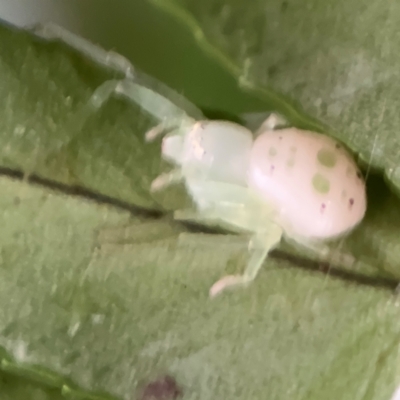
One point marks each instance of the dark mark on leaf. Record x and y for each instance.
(165, 388)
(284, 6)
(80, 191)
(388, 283)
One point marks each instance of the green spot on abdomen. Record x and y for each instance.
(290, 163)
(272, 152)
(320, 183)
(327, 158)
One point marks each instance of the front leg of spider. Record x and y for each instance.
(110, 59)
(160, 107)
(259, 247)
(164, 180)
(164, 110)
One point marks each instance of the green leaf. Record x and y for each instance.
(113, 316)
(99, 298)
(15, 388)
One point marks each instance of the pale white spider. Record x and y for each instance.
(290, 182)
(280, 182)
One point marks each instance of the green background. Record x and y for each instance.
(99, 297)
